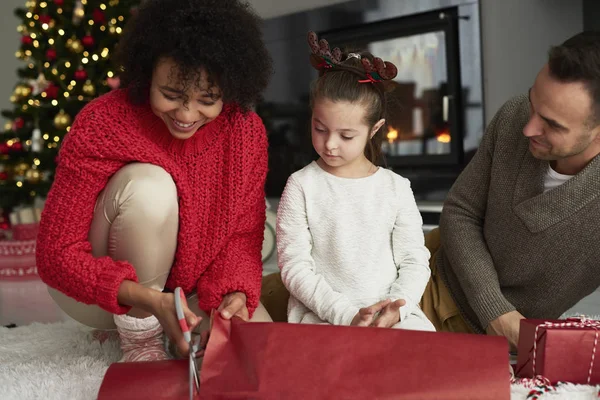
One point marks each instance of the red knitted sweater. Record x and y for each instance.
(219, 174)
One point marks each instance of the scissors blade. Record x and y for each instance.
(194, 367)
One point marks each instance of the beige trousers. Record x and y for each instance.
(136, 219)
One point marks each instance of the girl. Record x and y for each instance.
(349, 235)
(160, 184)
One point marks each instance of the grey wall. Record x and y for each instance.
(516, 36)
(274, 8)
(10, 41)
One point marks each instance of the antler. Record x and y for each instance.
(336, 55)
(323, 58)
(313, 42)
(386, 69)
(367, 65)
(321, 49)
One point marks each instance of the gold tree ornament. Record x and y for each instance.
(88, 88)
(21, 92)
(21, 168)
(26, 91)
(74, 45)
(32, 175)
(62, 120)
(8, 126)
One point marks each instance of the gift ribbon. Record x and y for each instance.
(579, 322)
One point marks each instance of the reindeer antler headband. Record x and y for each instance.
(324, 59)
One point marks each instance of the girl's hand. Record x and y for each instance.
(164, 310)
(234, 305)
(390, 315)
(366, 315)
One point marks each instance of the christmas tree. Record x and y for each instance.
(66, 46)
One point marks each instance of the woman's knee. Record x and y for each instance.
(146, 189)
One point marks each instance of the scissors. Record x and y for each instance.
(180, 301)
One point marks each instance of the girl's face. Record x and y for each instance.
(182, 112)
(339, 135)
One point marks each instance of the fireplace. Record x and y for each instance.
(436, 46)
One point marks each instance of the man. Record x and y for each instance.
(521, 225)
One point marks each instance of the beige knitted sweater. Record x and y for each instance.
(506, 244)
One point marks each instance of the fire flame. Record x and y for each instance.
(444, 137)
(392, 135)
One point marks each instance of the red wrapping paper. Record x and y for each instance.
(287, 361)
(156, 380)
(562, 353)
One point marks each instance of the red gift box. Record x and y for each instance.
(290, 361)
(25, 231)
(559, 350)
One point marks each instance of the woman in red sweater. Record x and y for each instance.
(161, 184)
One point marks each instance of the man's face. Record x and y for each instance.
(561, 123)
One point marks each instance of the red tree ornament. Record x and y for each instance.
(17, 146)
(26, 40)
(19, 123)
(98, 16)
(81, 74)
(59, 3)
(4, 148)
(88, 41)
(51, 91)
(51, 54)
(3, 177)
(45, 19)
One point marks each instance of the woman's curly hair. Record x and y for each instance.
(223, 37)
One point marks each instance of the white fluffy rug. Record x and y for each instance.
(62, 361)
(53, 361)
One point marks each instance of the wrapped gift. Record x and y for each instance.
(25, 231)
(290, 361)
(25, 222)
(559, 350)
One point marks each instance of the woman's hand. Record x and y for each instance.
(234, 305)
(366, 315)
(164, 310)
(162, 306)
(390, 315)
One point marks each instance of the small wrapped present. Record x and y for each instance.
(559, 350)
(25, 223)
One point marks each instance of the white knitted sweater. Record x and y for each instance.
(347, 243)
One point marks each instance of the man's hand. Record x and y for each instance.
(234, 305)
(390, 315)
(507, 325)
